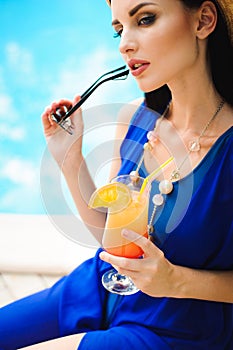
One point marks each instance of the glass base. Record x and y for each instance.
(118, 284)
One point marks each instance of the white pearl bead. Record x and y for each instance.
(134, 173)
(134, 176)
(165, 186)
(158, 200)
(152, 136)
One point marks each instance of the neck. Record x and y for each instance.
(192, 117)
(194, 101)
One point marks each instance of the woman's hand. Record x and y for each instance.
(157, 277)
(153, 274)
(62, 145)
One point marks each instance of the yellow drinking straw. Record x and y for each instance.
(156, 171)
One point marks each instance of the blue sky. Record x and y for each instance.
(49, 50)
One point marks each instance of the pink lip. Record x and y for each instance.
(138, 71)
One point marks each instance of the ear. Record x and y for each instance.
(207, 19)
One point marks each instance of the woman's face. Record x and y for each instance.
(157, 40)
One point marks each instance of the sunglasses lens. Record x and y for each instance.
(59, 114)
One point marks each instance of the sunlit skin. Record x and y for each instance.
(163, 33)
(172, 40)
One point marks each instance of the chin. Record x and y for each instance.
(147, 86)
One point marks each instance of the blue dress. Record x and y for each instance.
(194, 229)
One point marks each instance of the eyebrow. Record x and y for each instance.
(134, 10)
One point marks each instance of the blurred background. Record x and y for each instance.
(49, 50)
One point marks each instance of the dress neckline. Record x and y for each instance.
(212, 152)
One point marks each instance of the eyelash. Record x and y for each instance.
(145, 21)
(117, 34)
(148, 20)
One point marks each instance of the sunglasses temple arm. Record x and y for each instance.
(101, 77)
(85, 96)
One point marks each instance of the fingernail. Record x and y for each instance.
(102, 255)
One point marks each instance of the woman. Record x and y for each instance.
(180, 53)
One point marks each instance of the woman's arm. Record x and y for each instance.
(67, 152)
(157, 277)
(203, 284)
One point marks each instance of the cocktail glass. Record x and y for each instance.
(133, 216)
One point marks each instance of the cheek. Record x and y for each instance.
(175, 48)
(173, 33)
(168, 61)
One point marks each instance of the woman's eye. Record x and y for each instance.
(147, 20)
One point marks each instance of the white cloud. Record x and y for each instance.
(12, 133)
(2, 82)
(7, 110)
(19, 58)
(20, 172)
(23, 193)
(78, 73)
(8, 116)
(20, 62)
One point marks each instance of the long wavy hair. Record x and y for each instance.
(220, 56)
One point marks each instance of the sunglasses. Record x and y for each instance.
(61, 116)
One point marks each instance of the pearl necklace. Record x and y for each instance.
(166, 185)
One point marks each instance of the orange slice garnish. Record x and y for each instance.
(115, 196)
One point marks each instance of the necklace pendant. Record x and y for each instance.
(194, 146)
(175, 175)
(147, 146)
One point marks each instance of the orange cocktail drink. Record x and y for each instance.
(127, 200)
(134, 216)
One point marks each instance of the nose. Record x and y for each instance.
(128, 43)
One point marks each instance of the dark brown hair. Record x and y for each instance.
(220, 56)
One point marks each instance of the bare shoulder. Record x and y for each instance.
(124, 116)
(127, 111)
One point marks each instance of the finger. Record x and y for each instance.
(119, 262)
(144, 243)
(49, 126)
(60, 109)
(46, 120)
(65, 102)
(77, 98)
